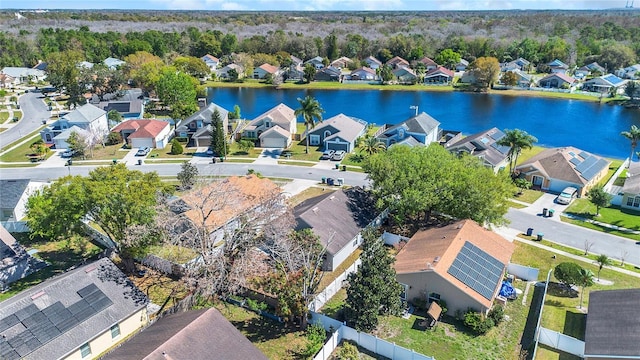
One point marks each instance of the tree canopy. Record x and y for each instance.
(177, 90)
(485, 70)
(218, 143)
(311, 112)
(516, 140)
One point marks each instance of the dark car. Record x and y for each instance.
(143, 151)
(338, 155)
(327, 154)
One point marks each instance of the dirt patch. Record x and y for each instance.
(448, 332)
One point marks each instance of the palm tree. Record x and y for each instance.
(634, 135)
(602, 260)
(516, 140)
(371, 145)
(311, 111)
(585, 279)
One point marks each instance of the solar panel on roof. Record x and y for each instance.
(497, 135)
(26, 311)
(594, 170)
(34, 319)
(477, 269)
(575, 161)
(67, 324)
(584, 154)
(8, 322)
(586, 164)
(53, 308)
(88, 290)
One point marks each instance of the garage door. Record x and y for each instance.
(201, 142)
(338, 146)
(273, 142)
(141, 142)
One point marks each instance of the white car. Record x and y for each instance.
(567, 195)
(68, 153)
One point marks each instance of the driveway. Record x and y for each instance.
(269, 156)
(34, 110)
(546, 201)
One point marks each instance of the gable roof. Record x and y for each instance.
(55, 317)
(142, 128)
(365, 69)
(421, 124)
(632, 182)
(336, 217)
(561, 76)
(462, 62)
(349, 128)
(558, 64)
(439, 70)
(67, 133)
(277, 130)
(436, 250)
(113, 62)
(428, 61)
(281, 115)
(483, 145)
(317, 59)
(86, 113)
(397, 61)
(204, 114)
(12, 191)
(268, 68)
(403, 71)
(613, 324)
(18, 72)
(566, 163)
(330, 71)
(341, 60)
(295, 60)
(180, 336)
(210, 58)
(372, 59)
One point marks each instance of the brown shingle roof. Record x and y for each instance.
(269, 68)
(556, 163)
(436, 249)
(143, 128)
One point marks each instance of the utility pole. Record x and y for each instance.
(414, 107)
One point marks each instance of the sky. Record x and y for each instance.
(317, 5)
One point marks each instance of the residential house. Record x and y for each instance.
(75, 315)
(631, 72)
(373, 63)
(15, 193)
(23, 75)
(631, 188)
(557, 80)
(613, 325)
(558, 67)
(317, 62)
(89, 118)
(328, 73)
(41, 65)
(462, 65)
(140, 133)
(363, 74)
(337, 217)
(338, 133)
(418, 130)
(224, 72)
(484, 146)
(211, 61)
(128, 103)
(113, 63)
(405, 75)
(461, 263)
(294, 72)
(523, 79)
(85, 65)
(180, 336)
(197, 127)
(295, 61)
(15, 262)
(6, 81)
(428, 63)
(341, 62)
(604, 84)
(589, 69)
(556, 168)
(263, 70)
(274, 128)
(397, 62)
(517, 64)
(439, 75)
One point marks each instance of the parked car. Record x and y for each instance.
(567, 195)
(327, 154)
(338, 155)
(68, 153)
(143, 151)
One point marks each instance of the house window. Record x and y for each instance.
(267, 124)
(634, 202)
(183, 134)
(434, 297)
(405, 291)
(314, 139)
(192, 125)
(327, 133)
(85, 350)
(115, 331)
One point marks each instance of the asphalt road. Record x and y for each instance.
(575, 236)
(34, 110)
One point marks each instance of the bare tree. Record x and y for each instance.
(587, 246)
(623, 256)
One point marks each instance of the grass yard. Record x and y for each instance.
(108, 152)
(159, 288)
(329, 276)
(615, 164)
(4, 116)
(173, 253)
(307, 194)
(6, 166)
(516, 205)
(236, 160)
(528, 153)
(166, 153)
(17, 114)
(298, 152)
(600, 228)
(234, 150)
(621, 178)
(613, 215)
(296, 163)
(333, 307)
(529, 196)
(22, 152)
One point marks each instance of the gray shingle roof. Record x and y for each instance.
(421, 124)
(205, 115)
(194, 335)
(86, 113)
(56, 317)
(483, 144)
(349, 128)
(632, 183)
(12, 191)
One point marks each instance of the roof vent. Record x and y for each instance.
(37, 295)
(436, 259)
(315, 210)
(90, 269)
(332, 197)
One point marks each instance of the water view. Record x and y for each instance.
(587, 125)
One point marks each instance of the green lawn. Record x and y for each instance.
(615, 164)
(528, 153)
(529, 196)
(166, 153)
(298, 152)
(333, 308)
(22, 152)
(611, 215)
(234, 151)
(4, 116)
(173, 253)
(108, 152)
(516, 205)
(621, 178)
(17, 114)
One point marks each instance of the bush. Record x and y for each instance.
(420, 303)
(477, 322)
(496, 314)
(183, 140)
(443, 305)
(176, 148)
(348, 351)
(114, 138)
(315, 337)
(256, 306)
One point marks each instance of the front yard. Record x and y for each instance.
(613, 215)
(23, 152)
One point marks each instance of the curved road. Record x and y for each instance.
(34, 110)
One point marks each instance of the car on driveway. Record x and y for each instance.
(327, 154)
(143, 151)
(567, 195)
(68, 153)
(338, 155)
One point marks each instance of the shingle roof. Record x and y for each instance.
(86, 113)
(428, 62)
(209, 58)
(558, 64)
(365, 69)
(336, 217)
(632, 183)
(567, 163)
(439, 70)
(483, 144)
(421, 124)
(12, 191)
(613, 324)
(371, 59)
(437, 248)
(269, 68)
(54, 318)
(397, 60)
(113, 62)
(195, 335)
(67, 133)
(281, 115)
(143, 128)
(17, 72)
(204, 114)
(348, 128)
(276, 129)
(562, 76)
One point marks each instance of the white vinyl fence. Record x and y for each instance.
(562, 342)
(333, 288)
(523, 272)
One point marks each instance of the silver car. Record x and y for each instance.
(338, 155)
(567, 195)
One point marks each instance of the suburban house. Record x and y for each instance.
(337, 217)
(274, 128)
(328, 73)
(462, 65)
(89, 118)
(428, 63)
(522, 78)
(128, 103)
(631, 188)
(613, 325)
(76, 315)
(180, 336)
(211, 61)
(589, 69)
(417, 130)
(363, 74)
(337, 133)
(517, 64)
(556, 168)
(558, 66)
(5, 80)
(85, 65)
(557, 80)
(140, 133)
(341, 62)
(265, 69)
(113, 63)
(15, 262)
(14, 197)
(461, 263)
(604, 84)
(484, 146)
(438, 75)
(197, 127)
(295, 61)
(397, 62)
(373, 63)
(224, 72)
(405, 75)
(631, 72)
(22, 75)
(317, 62)
(41, 65)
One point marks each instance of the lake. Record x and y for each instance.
(586, 125)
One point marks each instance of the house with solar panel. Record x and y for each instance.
(605, 84)
(76, 315)
(461, 263)
(484, 146)
(556, 168)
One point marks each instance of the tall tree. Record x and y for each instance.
(187, 175)
(144, 69)
(311, 112)
(448, 58)
(177, 90)
(599, 198)
(602, 260)
(218, 143)
(634, 136)
(191, 65)
(63, 73)
(567, 273)
(485, 71)
(585, 279)
(309, 72)
(631, 89)
(516, 140)
(373, 289)
(78, 144)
